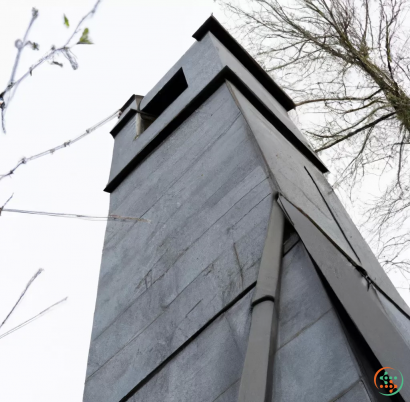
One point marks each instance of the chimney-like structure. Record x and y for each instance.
(251, 283)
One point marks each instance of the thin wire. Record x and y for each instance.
(86, 217)
(24, 161)
(22, 295)
(31, 319)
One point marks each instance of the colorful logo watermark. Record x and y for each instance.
(390, 382)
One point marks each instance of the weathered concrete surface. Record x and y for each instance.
(168, 324)
(387, 342)
(209, 369)
(367, 259)
(357, 394)
(161, 282)
(303, 300)
(287, 166)
(228, 59)
(190, 183)
(314, 361)
(200, 64)
(398, 319)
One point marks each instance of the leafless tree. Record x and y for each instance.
(347, 61)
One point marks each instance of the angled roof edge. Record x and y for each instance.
(394, 297)
(359, 298)
(214, 26)
(226, 74)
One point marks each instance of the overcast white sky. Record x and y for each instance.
(136, 42)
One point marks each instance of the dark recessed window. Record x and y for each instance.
(167, 94)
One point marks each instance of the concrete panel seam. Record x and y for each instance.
(333, 215)
(190, 166)
(344, 392)
(202, 234)
(186, 343)
(358, 268)
(304, 329)
(210, 88)
(227, 388)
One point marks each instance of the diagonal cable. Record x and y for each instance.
(31, 319)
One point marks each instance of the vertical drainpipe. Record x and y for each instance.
(256, 381)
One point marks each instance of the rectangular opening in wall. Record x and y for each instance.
(167, 94)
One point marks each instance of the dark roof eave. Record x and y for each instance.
(213, 25)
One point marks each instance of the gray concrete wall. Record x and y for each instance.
(173, 307)
(229, 60)
(313, 361)
(303, 185)
(208, 369)
(207, 193)
(200, 64)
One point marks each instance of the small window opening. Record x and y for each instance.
(167, 94)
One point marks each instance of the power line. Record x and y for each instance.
(51, 151)
(86, 217)
(31, 319)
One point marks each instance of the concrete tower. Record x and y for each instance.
(251, 283)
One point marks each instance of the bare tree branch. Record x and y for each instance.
(347, 64)
(51, 151)
(351, 134)
(65, 50)
(23, 324)
(22, 295)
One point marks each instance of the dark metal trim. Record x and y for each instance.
(358, 267)
(290, 243)
(384, 338)
(263, 299)
(225, 74)
(213, 25)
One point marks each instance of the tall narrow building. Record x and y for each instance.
(250, 283)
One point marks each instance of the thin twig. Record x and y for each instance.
(77, 29)
(65, 50)
(34, 15)
(51, 151)
(22, 295)
(1, 209)
(31, 319)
